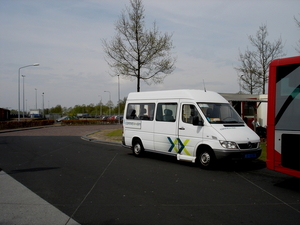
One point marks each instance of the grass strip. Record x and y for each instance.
(115, 135)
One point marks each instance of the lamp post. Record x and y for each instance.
(100, 103)
(36, 64)
(48, 111)
(119, 100)
(23, 96)
(43, 106)
(35, 98)
(109, 101)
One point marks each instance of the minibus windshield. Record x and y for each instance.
(220, 113)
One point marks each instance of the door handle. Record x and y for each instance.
(181, 128)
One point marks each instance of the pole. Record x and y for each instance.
(43, 106)
(119, 100)
(100, 104)
(23, 96)
(36, 64)
(109, 102)
(19, 94)
(35, 98)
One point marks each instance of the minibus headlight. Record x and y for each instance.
(228, 144)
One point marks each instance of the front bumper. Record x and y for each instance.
(237, 154)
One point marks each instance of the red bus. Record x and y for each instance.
(283, 123)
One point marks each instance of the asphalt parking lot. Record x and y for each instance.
(87, 182)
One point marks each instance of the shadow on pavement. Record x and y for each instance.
(36, 169)
(237, 166)
(240, 166)
(290, 183)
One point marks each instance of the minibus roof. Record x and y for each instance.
(191, 94)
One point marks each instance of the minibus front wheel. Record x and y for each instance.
(137, 147)
(206, 158)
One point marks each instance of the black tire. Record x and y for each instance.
(206, 158)
(137, 148)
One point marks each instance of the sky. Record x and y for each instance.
(65, 38)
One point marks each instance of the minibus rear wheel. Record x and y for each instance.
(137, 147)
(206, 158)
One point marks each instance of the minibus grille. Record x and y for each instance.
(248, 145)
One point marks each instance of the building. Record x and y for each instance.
(250, 107)
(4, 114)
(35, 113)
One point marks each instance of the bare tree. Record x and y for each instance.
(247, 73)
(257, 62)
(138, 53)
(298, 44)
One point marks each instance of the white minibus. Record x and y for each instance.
(193, 125)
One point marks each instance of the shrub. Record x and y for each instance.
(24, 124)
(88, 122)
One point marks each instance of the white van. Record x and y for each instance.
(193, 125)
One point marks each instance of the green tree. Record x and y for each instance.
(90, 109)
(121, 103)
(105, 110)
(65, 111)
(47, 111)
(76, 109)
(136, 52)
(57, 109)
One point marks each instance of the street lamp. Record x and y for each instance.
(23, 96)
(35, 98)
(43, 106)
(100, 103)
(119, 100)
(109, 101)
(36, 64)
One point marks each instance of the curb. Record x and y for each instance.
(21, 129)
(86, 138)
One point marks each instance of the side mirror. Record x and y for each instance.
(201, 123)
(197, 122)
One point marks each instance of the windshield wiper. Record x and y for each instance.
(231, 121)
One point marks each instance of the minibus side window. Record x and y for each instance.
(166, 112)
(140, 111)
(189, 112)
